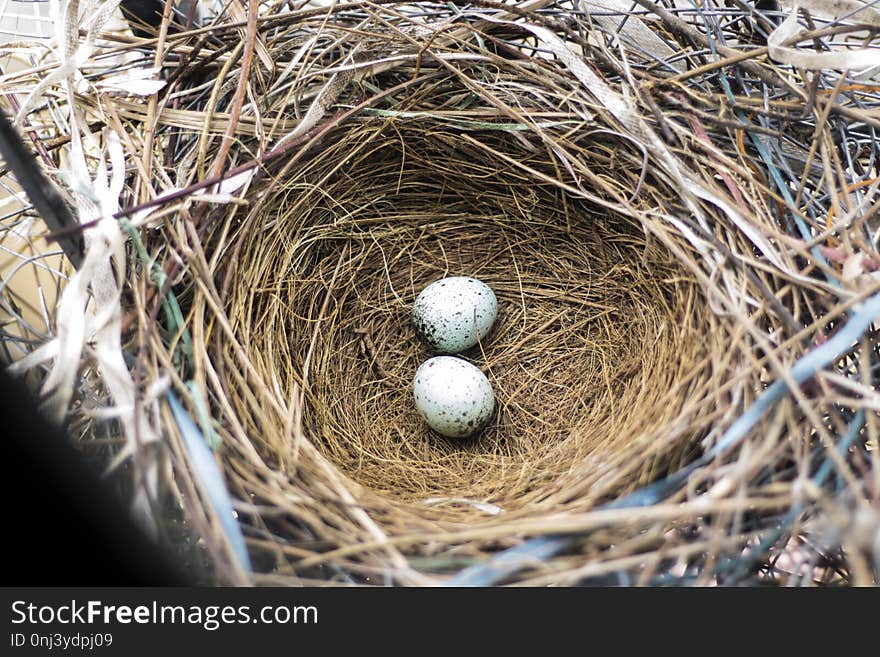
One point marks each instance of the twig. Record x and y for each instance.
(370, 351)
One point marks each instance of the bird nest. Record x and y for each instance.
(599, 346)
(682, 260)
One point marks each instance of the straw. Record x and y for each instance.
(675, 206)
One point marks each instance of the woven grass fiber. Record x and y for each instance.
(677, 222)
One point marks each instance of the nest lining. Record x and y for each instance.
(597, 327)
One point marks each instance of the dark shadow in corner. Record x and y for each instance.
(62, 525)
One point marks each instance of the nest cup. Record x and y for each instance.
(598, 355)
(596, 326)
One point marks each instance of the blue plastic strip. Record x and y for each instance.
(205, 468)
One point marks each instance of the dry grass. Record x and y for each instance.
(665, 241)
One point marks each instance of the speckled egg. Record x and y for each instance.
(451, 313)
(454, 397)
